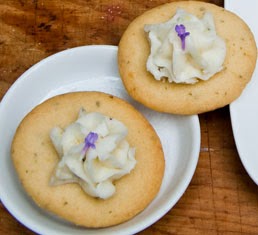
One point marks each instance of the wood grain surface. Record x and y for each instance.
(221, 198)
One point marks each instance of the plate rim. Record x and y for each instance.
(193, 119)
(46, 59)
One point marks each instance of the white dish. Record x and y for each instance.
(244, 111)
(91, 68)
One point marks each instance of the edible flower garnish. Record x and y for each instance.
(89, 141)
(180, 29)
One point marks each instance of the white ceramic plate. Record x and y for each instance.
(91, 68)
(244, 111)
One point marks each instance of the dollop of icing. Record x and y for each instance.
(185, 49)
(93, 152)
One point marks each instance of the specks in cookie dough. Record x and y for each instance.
(98, 103)
(131, 75)
(153, 138)
(56, 103)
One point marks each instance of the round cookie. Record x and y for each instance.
(35, 159)
(218, 91)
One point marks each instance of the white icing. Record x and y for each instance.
(96, 169)
(204, 52)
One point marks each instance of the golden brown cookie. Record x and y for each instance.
(35, 158)
(218, 91)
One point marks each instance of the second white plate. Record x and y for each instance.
(85, 69)
(244, 111)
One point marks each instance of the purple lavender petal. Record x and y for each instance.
(89, 141)
(180, 29)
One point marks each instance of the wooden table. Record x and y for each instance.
(221, 199)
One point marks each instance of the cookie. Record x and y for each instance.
(35, 158)
(220, 90)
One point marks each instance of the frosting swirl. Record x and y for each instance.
(185, 48)
(93, 152)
